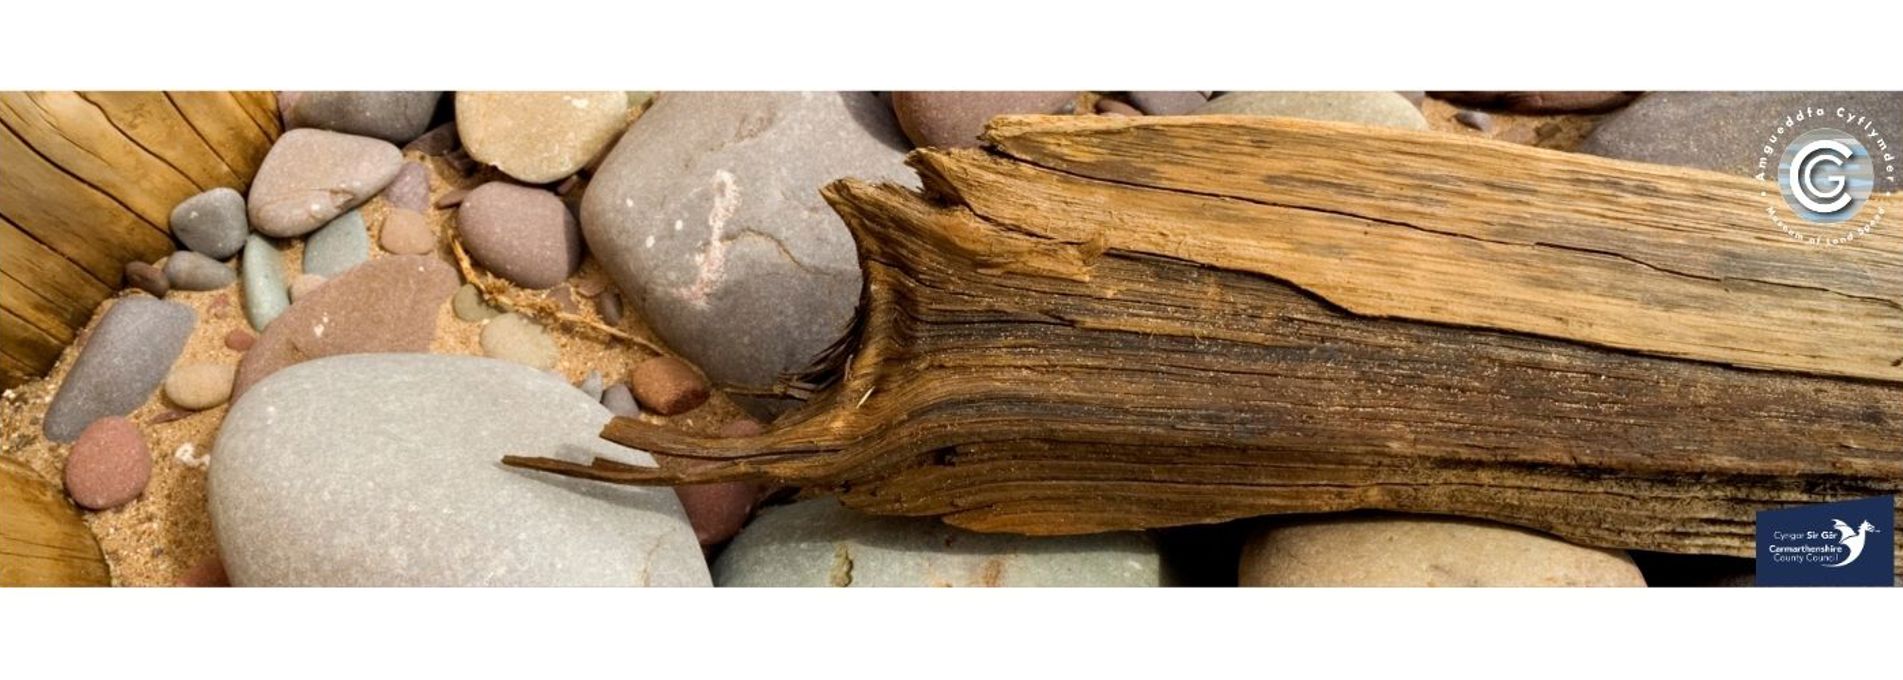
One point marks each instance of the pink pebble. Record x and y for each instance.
(110, 464)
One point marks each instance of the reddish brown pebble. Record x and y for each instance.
(452, 198)
(110, 464)
(608, 305)
(209, 573)
(667, 386)
(148, 278)
(590, 286)
(169, 415)
(717, 511)
(406, 232)
(240, 339)
(1112, 107)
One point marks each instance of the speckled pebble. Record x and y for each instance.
(124, 359)
(667, 385)
(469, 305)
(406, 232)
(187, 270)
(410, 189)
(200, 386)
(110, 464)
(512, 337)
(523, 234)
(265, 293)
(339, 245)
(212, 223)
(145, 277)
(240, 339)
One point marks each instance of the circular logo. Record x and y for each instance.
(1825, 175)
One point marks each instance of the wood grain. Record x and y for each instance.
(1044, 352)
(89, 180)
(43, 541)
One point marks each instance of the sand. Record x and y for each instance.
(154, 540)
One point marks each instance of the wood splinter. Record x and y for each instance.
(1101, 324)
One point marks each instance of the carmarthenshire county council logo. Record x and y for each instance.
(1851, 543)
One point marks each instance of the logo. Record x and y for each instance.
(1851, 543)
(1825, 174)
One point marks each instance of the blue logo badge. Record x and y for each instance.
(1851, 543)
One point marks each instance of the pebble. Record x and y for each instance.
(265, 292)
(311, 176)
(451, 198)
(1112, 107)
(389, 304)
(818, 542)
(187, 270)
(772, 279)
(667, 385)
(207, 573)
(539, 137)
(198, 387)
(145, 277)
(381, 470)
(391, 116)
(1478, 120)
(304, 285)
(513, 337)
(719, 511)
(955, 118)
(1545, 103)
(240, 339)
(469, 305)
(522, 234)
(619, 400)
(338, 246)
(109, 466)
(212, 223)
(410, 189)
(406, 232)
(123, 360)
(608, 305)
(1422, 551)
(438, 141)
(1168, 103)
(1725, 131)
(1385, 109)
(591, 385)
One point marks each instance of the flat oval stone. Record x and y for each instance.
(240, 339)
(708, 214)
(110, 464)
(955, 118)
(410, 189)
(539, 137)
(187, 270)
(524, 235)
(1422, 551)
(390, 116)
(469, 305)
(385, 305)
(127, 355)
(381, 470)
(311, 176)
(818, 542)
(266, 293)
(1385, 109)
(1168, 103)
(512, 337)
(197, 387)
(212, 223)
(406, 232)
(341, 244)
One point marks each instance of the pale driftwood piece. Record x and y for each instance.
(1045, 352)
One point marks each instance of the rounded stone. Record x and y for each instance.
(187, 270)
(539, 137)
(708, 214)
(410, 189)
(524, 235)
(124, 359)
(207, 573)
(1422, 551)
(1385, 109)
(240, 339)
(818, 542)
(198, 387)
(1167, 103)
(667, 386)
(212, 223)
(148, 278)
(406, 232)
(265, 292)
(311, 176)
(513, 337)
(718, 511)
(382, 470)
(955, 118)
(391, 116)
(469, 305)
(389, 304)
(342, 243)
(109, 466)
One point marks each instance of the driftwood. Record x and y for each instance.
(1106, 324)
(43, 541)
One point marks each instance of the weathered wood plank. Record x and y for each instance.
(150, 120)
(76, 136)
(48, 272)
(1043, 353)
(29, 306)
(71, 216)
(43, 541)
(26, 343)
(224, 123)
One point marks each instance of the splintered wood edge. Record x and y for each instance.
(1615, 259)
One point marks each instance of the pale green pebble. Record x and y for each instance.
(469, 306)
(337, 246)
(512, 337)
(262, 270)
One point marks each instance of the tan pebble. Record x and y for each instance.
(512, 337)
(200, 386)
(208, 573)
(469, 306)
(406, 232)
(667, 385)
